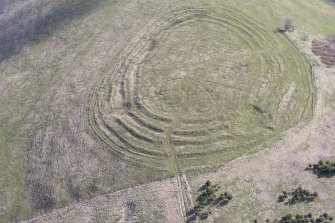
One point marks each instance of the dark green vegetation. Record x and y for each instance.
(297, 195)
(323, 168)
(308, 218)
(209, 198)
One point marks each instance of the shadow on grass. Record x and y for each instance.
(319, 173)
(190, 216)
(24, 26)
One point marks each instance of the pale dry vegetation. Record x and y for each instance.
(325, 49)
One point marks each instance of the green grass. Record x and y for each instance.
(209, 67)
(273, 13)
(68, 38)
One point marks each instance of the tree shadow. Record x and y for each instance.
(205, 200)
(293, 202)
(279, 30)
(221, 203)
(203, 187)
(190, 215)
(41, 195)
(24, 26)
(320, 174)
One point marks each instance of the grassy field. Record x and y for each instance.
(183, 90)
(102, 95)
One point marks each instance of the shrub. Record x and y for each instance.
(198, 209)
(308, 218)
(297, 195)
(208, 197)
(323, 168)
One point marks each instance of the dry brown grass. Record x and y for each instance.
(325, 49)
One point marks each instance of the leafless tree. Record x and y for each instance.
(332, 39)
(288, 25)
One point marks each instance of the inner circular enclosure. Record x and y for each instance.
(188, 71)
(202, 87)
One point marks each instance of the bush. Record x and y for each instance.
(225, 196)
(208, 197)
(198, 209)
(297, 195)
(323, 168)
(308, 218)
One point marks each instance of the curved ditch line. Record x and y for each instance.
(131, 157)
(199, 132)
(134, 150)
(144, 124)
(133, 145)
(157, 137)
(136, 134)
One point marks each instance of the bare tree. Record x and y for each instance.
(332, 39)
(288, 25)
